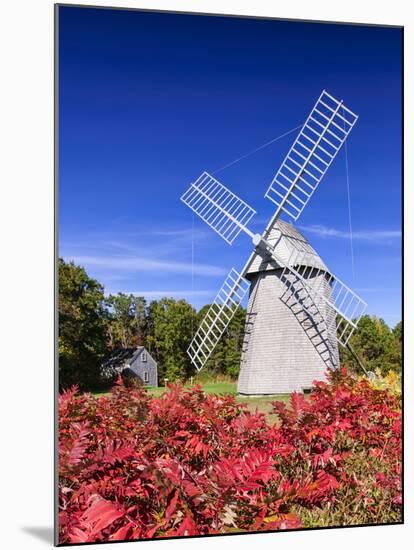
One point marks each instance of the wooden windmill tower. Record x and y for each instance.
(298, 310)
(287, 343)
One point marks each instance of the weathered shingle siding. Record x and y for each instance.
(284, 348)
(139, 367)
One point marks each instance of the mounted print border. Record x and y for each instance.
(231, 362)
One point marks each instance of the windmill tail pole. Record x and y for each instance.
(357, 359)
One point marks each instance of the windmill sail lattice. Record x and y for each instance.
(217, 318)
(221, 209)
(307, 161)
(310, 156)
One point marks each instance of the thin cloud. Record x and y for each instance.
(145, 242)
(368, 236)
(188, 234)
(142, 264)
(179, 234)
(168, 293)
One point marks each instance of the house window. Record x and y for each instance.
(144, 356)
(146, 377)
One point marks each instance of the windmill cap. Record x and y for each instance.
(286, 239)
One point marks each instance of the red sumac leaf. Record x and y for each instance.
(100, 514)
(122, 532)
(172, 505)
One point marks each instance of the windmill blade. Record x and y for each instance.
(310, 156)
(217, 318)
(221, 209)
(340, 301)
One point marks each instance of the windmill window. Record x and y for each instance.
(144, 356)
(146, 377)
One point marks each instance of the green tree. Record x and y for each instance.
(140, 318)
(377, 345)
(82, 327)
(170, 327)
(226, 356)
(398, 332)
(127, 320)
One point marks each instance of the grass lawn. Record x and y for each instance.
(263, 404)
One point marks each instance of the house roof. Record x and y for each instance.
(287, 242)
(121, 356)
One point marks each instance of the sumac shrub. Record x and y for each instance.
(189, 463)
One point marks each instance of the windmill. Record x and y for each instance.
(298, 311)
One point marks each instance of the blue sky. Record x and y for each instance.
(148, 101)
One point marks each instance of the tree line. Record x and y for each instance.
(92, 326)
(378, 346)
